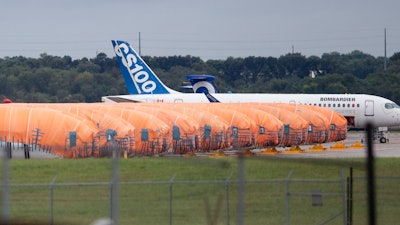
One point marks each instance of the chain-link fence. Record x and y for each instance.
(172, 201)
(341, 200)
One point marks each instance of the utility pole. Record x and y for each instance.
(291, 59)
(140, 46)
(385, 59)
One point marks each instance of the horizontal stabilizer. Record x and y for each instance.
(193, 78)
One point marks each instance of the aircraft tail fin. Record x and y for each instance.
(138, 76)
(202, 83)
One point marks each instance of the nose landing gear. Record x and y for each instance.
(381, 134)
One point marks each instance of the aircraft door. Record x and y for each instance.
(178, 100)
(369, 107)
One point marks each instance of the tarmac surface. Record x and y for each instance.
(343, 149)
(19, 153)
(354, 146)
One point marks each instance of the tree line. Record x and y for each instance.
(61, 79)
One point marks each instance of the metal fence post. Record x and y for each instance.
(114, 192)
(171, 181)
(5, 187)
(371, 176)
(51, 200)
(342, 182)
(241, 189)
(287, 198)
(227, 182)
(350, 198)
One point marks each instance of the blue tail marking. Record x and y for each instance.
(211, 98)
(138, 76)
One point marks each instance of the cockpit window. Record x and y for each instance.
(391, 106)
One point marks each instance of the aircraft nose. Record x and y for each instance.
(397, 117)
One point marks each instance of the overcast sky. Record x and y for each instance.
(210, 29)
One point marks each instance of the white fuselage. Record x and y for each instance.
(359, 109)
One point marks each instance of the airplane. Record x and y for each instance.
(144, 86)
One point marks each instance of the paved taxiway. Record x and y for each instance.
(18, 153)
(389, 149)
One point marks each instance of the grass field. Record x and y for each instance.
(196, 202)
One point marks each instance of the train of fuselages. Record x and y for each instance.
(86, 129)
